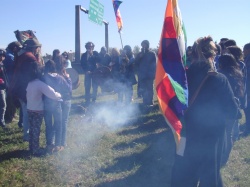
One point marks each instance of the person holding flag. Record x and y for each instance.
(211, 103)
(199, 129)
(170, 79)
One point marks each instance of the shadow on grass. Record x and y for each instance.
(146, 124)
(23, 154)
(106, 108)
(10, 136)
(154, 163)
(10, 141)
(9, 131)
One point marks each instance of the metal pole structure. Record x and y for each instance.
(106, 35)
(84, 10)
(78, 30)
(77, 34)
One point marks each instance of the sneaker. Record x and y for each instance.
(38, 152)
(49, 148)
(57, 149)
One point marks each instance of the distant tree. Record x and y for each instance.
(47, 57)
(136, 50)
(155, 50)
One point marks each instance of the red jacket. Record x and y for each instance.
(21, 75)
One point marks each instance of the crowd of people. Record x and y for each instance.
(41, 90)
(117, 72)
(218, 77)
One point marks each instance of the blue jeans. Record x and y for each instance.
(25, 121)
(126, 91)
(232, 134)
(66, 105)
(247, 114)
(53, 113)
(147, 90)
(2, 106)
(88, 82)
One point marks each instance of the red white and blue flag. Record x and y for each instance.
(118, 17)
(170, 79)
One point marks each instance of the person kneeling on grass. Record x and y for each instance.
(34, 93)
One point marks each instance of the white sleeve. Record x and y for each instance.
(49, 92)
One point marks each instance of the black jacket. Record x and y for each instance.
(214, 104)
(90, 63)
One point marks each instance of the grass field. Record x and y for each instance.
(109, 146)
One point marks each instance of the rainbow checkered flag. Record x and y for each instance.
(170, 79)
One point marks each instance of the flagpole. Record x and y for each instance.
(120, 37)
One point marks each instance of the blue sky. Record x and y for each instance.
(54, 22)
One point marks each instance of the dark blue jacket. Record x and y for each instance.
(146, 65)
(59, 84)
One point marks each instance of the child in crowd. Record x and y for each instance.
(55, 114)
(35, 91)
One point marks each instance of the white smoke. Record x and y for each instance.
(115, 116)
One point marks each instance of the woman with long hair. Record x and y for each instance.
(66, 95)
(211, 102)
(231, 69)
